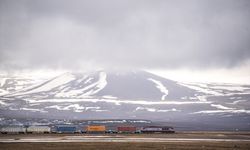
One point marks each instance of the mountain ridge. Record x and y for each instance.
(127, 95)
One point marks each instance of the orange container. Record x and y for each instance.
(96, 129)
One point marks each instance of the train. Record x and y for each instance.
(66, 129)
(13, 130)
(96, 129)
(38, 129)
(90, 129)
(157, 129)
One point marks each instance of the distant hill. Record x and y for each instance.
(114, 95)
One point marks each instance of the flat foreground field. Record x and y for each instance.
(179, 140)
(127, 146)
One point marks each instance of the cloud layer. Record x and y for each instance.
(124, 34)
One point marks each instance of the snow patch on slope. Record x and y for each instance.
(75, 108)
(2, 81)
(109, 97)
(202, 90)
(202, 98)
(236, 102)
(58, 81)
(155, 110)
(3, 92)
(230, 88)
(85, 91)
(33, 110)
(2, 103)
(88, 80)
(161, 87)
(118, 102)
(99, 85)
(235, 111)
(218, 106)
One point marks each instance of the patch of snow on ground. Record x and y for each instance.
(88, 80)
(109, 97)
(3, 92)
(202, 90)
(2, 103)
(231, 88)
(218, 106)
(155, 110)
(202, 98)
(91, 108)
(236, 102)
(100, 84)
(168, 110)
(60, 80)
(203, 85)
(85, 91)
(2, 81)
(118, 102)
(236, 111)
(140, 121)
(33, 110)
(75, 108)
(161, 87)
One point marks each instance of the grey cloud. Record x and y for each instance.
(123, 34)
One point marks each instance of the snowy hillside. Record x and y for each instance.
(122, 95)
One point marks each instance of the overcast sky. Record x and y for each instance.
(124, 34)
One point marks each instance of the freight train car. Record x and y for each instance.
(96, 129)
(157, 129)
(126, 129)
(38, 129)
(66, 129)
(13, 130)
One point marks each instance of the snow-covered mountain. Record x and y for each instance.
(100, 95)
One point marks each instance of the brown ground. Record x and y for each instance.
(128, 146)
(188, 134)
(174, 145)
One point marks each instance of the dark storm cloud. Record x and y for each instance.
(125, 34)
